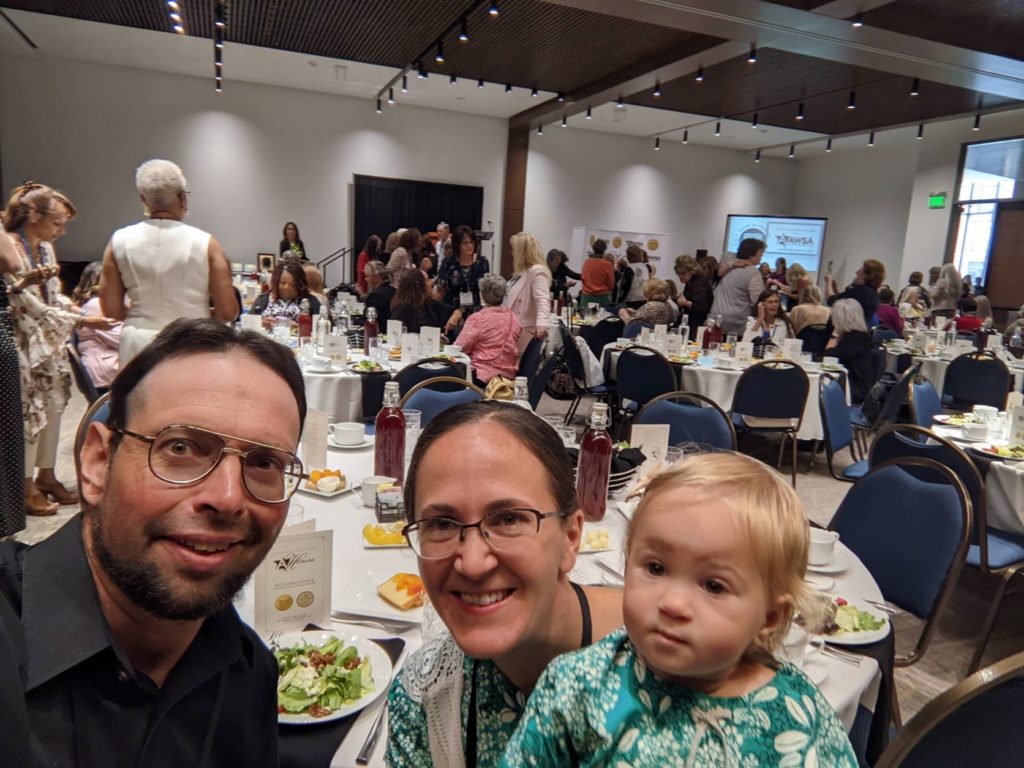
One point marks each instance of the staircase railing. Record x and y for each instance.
(338, 267)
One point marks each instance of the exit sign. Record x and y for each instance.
(937, 200)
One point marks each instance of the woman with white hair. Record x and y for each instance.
(167, 268)
(947, 291)
(489, 336)
(529, 290)
(852, 345)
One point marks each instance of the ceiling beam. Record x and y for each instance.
(823, 34)
(665, 68)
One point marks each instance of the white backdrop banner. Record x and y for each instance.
(657, 245)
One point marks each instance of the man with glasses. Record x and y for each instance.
(131, 650)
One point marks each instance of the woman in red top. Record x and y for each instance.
(598, 277)
(370, 251)
(969, 321)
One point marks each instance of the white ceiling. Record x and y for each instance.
(181, 54)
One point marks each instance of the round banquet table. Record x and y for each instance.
(852, 690)
(720, 386)
(934, 368)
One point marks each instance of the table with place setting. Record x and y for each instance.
(935, 364)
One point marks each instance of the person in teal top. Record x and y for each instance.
(715, 557)
(495, 547)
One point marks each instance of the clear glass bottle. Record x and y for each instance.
(595, 465)
(1017, 344)
(389, 436)
(305, 320)
(370, 329)
(521, 393)
(323, 332)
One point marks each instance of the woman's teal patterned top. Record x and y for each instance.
(499, 705)
(602, 706)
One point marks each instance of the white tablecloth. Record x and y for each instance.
(357, 571)
(934, 369)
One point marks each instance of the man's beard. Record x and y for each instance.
(142, 582)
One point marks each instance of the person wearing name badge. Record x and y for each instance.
(769, 324)
(528, 294)
(459, 276)
(185, 487)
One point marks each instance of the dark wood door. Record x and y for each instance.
(1004, 283)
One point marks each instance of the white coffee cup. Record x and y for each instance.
(318, 363)
(834, 361)
(452, 349)
(976, 431)
(986, 413)
(369, 485)
(347, 433)
(822, 546)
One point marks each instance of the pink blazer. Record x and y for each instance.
(529, 298)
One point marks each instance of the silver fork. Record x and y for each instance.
(835, 653)
(272, 640)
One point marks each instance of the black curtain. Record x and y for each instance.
(383, 205)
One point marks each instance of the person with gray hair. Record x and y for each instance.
(167, 268)
(490, 337)
(852, 345)
(444, 234)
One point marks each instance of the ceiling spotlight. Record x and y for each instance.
(561, 96)
(452, 79)
(421, 72)
(915, 88)
(686, 136)
(463, 30)
(493, 10)
(657, 143)
(179, 29)
(172, 5)
(379, 110)
(752, 56)
(540, 130)
(619, 103)
(508, 87)
(828, 145)
(852, 104)
(792, 150)
(589, 116)
(480, 83)
(535, 93)
(439, 56)
(657, 89)
(565, 124)
(218, 43)
(757, 156)
(857, 21)
(718, 128)
(871, 139)
(920, 131)
(800, 111)
(391, 95)
(218, 88)
(218, 63)
(219, 23)
(175, 17)
(405, 83)
(699, 77)
(977, 122)
(753, 123)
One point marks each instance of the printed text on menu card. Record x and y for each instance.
(293, 583)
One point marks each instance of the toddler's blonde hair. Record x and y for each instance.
(765, 507)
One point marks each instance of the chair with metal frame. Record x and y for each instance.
(976, 378)
(429, 368)
(98, 410)
(815, 338)
(643, 374)
(530, 359)
(605, 332)
(770, 397)
(994, 552)
(573, 358)
(539, 381)
(889, 412)
(429, 400)
(912, 536)
(81, 376)
(692, 418)
(925, 403)
(971, 723)
(838, 430)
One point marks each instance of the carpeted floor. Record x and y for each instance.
(944, 664)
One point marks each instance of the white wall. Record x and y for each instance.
(608, 181)
(254, 156)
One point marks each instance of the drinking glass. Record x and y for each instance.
(412, 429)
(555, 421)
(730, 344)
(374, 348)
(673, 454)
(296, 514)
(568, 435)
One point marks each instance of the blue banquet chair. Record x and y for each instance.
(430, 399)
(692, 418)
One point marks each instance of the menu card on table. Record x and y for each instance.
(252, 322)
(430, 338)
(744, 352)
(410, 348)
(652, 440)
(394, 333)
(994, 341)
(645, 336)
(1017, 425)
(674, 344)
(314, 440)
(660, 329)
(791, 348)
(293, 583)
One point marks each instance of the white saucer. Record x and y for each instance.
(331, 369)
(837, 564)
(820, 583)
(816, 670)
(366, 443)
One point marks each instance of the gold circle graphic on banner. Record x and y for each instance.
(652, 244)
(593, 239)
(616, 242)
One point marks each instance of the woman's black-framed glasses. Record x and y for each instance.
(436, 538)
(182, 455)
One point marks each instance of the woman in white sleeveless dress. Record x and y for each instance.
(166, 268)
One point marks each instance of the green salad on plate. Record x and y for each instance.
(316, 680)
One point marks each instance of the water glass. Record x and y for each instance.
(296, 514)
(568, 435)
(374, 348)
(412, 429)
(730, 344)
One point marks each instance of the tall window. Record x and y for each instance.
(992, 171)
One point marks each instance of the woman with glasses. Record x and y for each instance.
(495, 556)
(167, 268)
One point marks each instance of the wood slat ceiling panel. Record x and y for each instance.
(779, 81)
(992, 26)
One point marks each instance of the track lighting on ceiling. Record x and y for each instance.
(540, 130)
(535, 93)
(920, 131)
(480, 83)
(915, 87)
(463, 30)
(792, 150)
(753, 122)
(686, 136)
(589, 114)
(871, 139)
(718, 128)
(421, 71)
(493, 10)
(800, 111)
(657, 88)
(619, 103)
(757, 156)
(561, 97)
(699, 77)
(565, 122)
(828, 145)
(657, 143)
(852, 103)
(857, 21)
(391, 95)
(752, 56)
(508, 87)
(439, 56)
(379, 110)
(452, 79)
(977, 122)
(405, 83)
